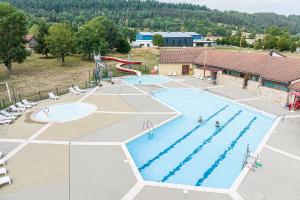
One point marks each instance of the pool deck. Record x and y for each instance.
(88, 159)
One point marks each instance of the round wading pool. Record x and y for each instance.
(63, 112)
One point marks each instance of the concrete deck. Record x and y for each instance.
(38, 156)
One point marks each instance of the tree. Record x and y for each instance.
(283, 44)
(158, 40)
(34, 30)
(60, 41)
(89, 42)
(12, 32)
(258, 44)
(124, 46)
(41, 46)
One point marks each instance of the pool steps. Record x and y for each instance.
(149, 162)
(200, 147)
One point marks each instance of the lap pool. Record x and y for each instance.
(184, 151)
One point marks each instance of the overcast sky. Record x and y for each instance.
(278, 6)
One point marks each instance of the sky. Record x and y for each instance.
(285, 7)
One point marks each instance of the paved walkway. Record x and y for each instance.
(92, 155)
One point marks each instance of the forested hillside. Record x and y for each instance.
(154, 15)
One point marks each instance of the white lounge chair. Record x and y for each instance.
(72, 91)
(1, 154)
(52, 96)
(196, 75)
(78, 89)
(170, 74)
(5, 180)
(3, 171)
(3, 117)
(175, 74)
(8, 114)
(24, 101)
(5, 122)
(16, 109)
(2, 162)
(20, 105)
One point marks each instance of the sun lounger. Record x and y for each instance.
(170, 74)
(78, 89)
(175, 74)
(2, 162)
(5, 180)
(52, 96)
(16, 109)
(1, 154)
(72, 91)
(20, 105)
(3, 117)
(3, 171)
(5, 122)
(24, 101)
(8, 114)
(196, 75)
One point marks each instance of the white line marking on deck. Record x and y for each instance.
(114, 94)
(21, 146)
(137, 113)
(88, 94)
(13, 140)
(236, 196)
(133, 191)
(187, 187)
(131, 163)
(249, 99)
(282, 152)
(291, 116)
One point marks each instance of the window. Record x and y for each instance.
(278, 86)
(254, 78)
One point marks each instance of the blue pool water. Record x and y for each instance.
(184, 151)
(147, 79)
(64, 112)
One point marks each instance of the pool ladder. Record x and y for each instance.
(149, 127)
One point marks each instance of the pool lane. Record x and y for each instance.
(149, 162)
(200, 147)
(221, 157)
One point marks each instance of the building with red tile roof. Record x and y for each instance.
(258, 71)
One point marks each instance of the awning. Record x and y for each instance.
(212, 69)
(295, 86)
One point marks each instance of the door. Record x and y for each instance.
(185, 69)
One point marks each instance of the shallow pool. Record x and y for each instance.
(64, 112)
(147, 79)
(184, 151)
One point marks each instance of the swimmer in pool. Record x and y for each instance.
(217, 124)
(200, 119)
(46, 111)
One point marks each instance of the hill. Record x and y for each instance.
(154, 15)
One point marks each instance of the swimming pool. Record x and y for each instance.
(184, 151)
(147, 79)
(64, 112)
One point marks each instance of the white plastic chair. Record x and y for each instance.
(72, 91)
(78, 89)
(5, 180)
(170, 74)
(2, 162)
(24, 101)
(16, 109)
(20, 105)
(3, 171)
(15, 114)
(5, 122)
(52, 96)
(3, 117)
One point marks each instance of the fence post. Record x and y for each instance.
(56, 91)
(20, 98)
(13, 90)
(40, 95)
(86, 85)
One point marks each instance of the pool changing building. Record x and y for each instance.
(269, 77)
(171, 39)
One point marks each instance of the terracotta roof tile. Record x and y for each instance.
(271, 68)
